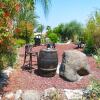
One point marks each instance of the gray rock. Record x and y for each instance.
(18, 94)
(3, 76)
(53, 94)
(3, 80)
(74, 65)
(30, 95)
(8, 71)
(0, 97)
(74, 94)
(9, 96)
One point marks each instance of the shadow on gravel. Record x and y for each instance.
(64, 78)
(27, 68)
(36, 71)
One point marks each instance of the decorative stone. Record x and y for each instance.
(3, 80)
(53, 94)
(74, 94)
(9, 96)
(74, 65)
(30, 95)
(18, 94)
(0, 97)
(3, 76)
(8, 71)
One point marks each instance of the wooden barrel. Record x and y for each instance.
(47, 62)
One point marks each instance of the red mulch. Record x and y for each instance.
(22, 79)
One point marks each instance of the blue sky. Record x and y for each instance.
(64, 11)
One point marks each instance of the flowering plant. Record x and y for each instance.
(8, 11)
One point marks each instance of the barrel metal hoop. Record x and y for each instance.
(48, 69)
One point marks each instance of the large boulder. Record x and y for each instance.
(74, 65)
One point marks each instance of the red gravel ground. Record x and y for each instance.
(22, 79)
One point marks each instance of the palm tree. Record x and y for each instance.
(45, 4)
(31, 4)
(40, 29)
(28, 15)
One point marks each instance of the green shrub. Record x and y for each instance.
(20, 42)
(95, 87)
(97, 57)
(93, 90)
(92, 33)
(31, 39)
(7, 49)
(53, 37)
(89, 48)
(96, 38)
(7, 59)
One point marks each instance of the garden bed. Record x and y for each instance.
(26, 80)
